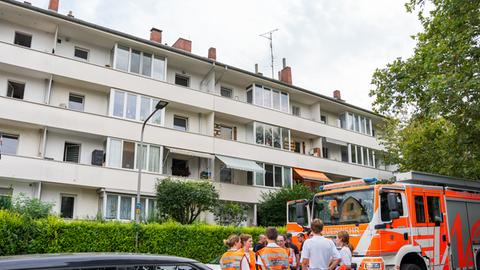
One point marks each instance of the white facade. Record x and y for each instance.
(71, 135)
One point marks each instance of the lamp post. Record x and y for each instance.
(160, 105)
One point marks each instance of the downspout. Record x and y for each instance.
(55, 37)
(49, 90)
(39, 191)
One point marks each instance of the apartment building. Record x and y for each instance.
(73, 96)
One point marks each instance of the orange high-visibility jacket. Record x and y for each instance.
(231, 260)
(274, 258)
(251, 259)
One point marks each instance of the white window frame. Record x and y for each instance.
(188, 77)
(141, 62)
(183, 117)
(138, 100)
(227, 89)
(79, 151)
(254, 179)
(135, 167)
(79, 96)
(81, 49)
(74, 196)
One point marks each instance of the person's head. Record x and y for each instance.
(233, 241)
(317, 226)
(262, 239)
(281, 240)
(246, 240)
(271, 234)
(343, 239)
(301, 237)
(288, 237)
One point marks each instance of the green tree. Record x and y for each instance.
(183, 201)
(438, 85)
(273, 204)
(230, 213)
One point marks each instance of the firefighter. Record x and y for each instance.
(246, 240)
(272, 257)
(234, 258)
(292, 261)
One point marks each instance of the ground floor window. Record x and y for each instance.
(67, 204)
(122, 207)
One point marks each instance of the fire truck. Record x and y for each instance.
(418, 221)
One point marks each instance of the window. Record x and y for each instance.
(118, 103)
(131, 108)
(249, 96)
(180, 167)
(325, 153)
(268, 175)
(159, 68)
(259, 133)
(344, 153)
(269, 98)
(284, 102)
(297, 147)
(182, 80)
(260, 177)
(71, 152)
(115, 153)
(226, 175)
(434, 211)
(276, 99)
(135, 61)
(15, 89)
(274, 176)
(81, 53)
(75, 102)
(419, 209)
(385, 212)
(356, 123)
(287, 177)
(122, 55)
(277, 170)
(66, 206)
(296, 111)
(323, 119)
(22, 39)
(112, 207)
(147, 64)
(225, 132)
(128, 155)
(134, 107)
(361, 155)
(180, 123)
(8, 144)
(125, 207)
(226, 92)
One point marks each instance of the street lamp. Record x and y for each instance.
(160, 105)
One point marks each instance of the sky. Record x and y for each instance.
(329, 44)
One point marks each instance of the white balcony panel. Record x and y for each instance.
(78, 70)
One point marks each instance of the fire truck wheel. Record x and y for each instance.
(409, 266)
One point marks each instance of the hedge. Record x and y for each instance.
(19, 235)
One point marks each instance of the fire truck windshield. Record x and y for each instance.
(344, 208)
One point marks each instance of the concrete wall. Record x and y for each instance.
(41, 40)
(94, 101)
(96, 55)
(85, 202)
(56, 145)
(29, 139)
(35, 88)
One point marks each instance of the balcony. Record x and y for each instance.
(81, 71)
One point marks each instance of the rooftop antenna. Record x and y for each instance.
(269, 35)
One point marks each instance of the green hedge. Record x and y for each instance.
(202, 242)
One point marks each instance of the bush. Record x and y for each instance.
(5, 202)
(31, 207)
(54, 235)
(272, 207)
(183, 200)
(230, 213)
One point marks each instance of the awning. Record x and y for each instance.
(337, 142)
(190, 153)
(311, 175)
(241, 164)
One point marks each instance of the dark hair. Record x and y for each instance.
(271, 233)
(244, 237)
(345, 238)
(317, 226)
(288, 236)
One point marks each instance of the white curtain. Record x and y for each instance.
(154, 159)
(115, 153)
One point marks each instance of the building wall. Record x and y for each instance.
(85, 202)
(94, 101)
(97, 55)
(56, 146)
(35, 88)
(29, 139)
(41, 40)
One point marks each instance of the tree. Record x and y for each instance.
(438, 85)
(183, 200)
(273, 204)
(230, 213)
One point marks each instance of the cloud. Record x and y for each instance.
(329, 44)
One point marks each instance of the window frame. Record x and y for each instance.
(415, 221)
(24, 34)
(175, 116)
(138, 107)
(227, 89)
(77, 96)
(24, 84)
(78, 48)
(17, 137)
(152, 67)
(74, 196)
(183, 76)
(71, 144)
(132, 205)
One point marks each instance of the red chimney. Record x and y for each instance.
(337, 95)
(53, 5)
(183, 44)
(212, 53)
(285, 75)
(156, 35)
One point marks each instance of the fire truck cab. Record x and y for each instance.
(419, 221)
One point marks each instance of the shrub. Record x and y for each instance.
(230, 213)
(5, 202)
(183, 200)
(54, 235)
(31, 207)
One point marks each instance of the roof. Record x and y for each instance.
(43, 261)
(423, 178)
(171, 49)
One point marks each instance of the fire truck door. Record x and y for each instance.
(396, 232)
(436, 222)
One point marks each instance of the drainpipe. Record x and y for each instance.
(39, 191)
(49, 90)
(43, 144)
(55, 37)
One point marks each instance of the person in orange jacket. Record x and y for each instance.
(282, 242)
(272, 257)
(234, 258)
(247, 241)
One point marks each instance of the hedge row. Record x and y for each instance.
(53, 235)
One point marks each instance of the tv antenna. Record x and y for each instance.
(269, 35)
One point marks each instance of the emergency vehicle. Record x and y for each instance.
(419, 221)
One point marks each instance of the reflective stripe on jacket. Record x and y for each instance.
(274, 258)
(231, 260)
(251, 259)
